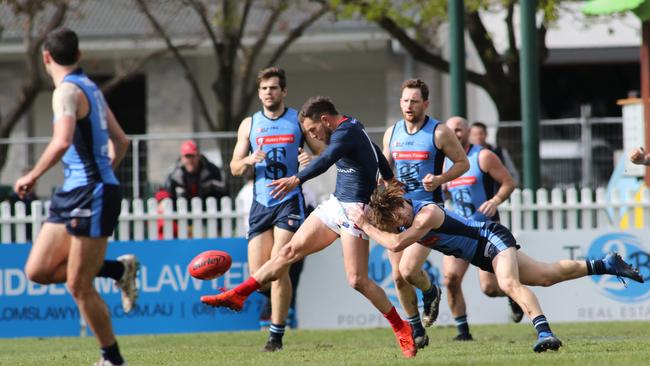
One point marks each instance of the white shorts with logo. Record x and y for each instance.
(332, 213)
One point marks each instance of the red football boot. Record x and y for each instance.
(229, 299)
(405, 340)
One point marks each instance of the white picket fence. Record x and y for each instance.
(526, 210)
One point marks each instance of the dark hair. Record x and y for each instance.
(384, 205)
(417, 84)
(315, 107)
(480, 125)
(270, 72)
(63, 46)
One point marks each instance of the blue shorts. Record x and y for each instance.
(91, 210)
(287, 215)
(498, 239)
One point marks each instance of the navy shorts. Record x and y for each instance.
(498, 239)
(91, 210)
(287, 215)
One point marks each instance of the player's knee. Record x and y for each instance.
(79, 287)
(452, 281)
(400, 281)
(491, 289)
(37, 275)
(508, 285)
(356, 281)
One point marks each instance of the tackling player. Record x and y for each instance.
(70, 246)
(397, 223)
(358, 161)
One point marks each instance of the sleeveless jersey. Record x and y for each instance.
(280, 139)
(415, 156)
(448, 239)
(470, 190)
(86, 161)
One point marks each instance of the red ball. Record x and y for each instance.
(209, 264)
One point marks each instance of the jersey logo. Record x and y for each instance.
(409, 174)
(410, 155)
(275, 169)
(463, 202)
(430, 241)
(462, 181)
(275, 139)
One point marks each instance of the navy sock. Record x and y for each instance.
(416, 324)
(111, 269)
(430, 291)
(461, 324)
(595, 267)
(541, 325)
(276, 331)
(112, 353)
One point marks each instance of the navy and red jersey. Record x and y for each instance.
(357, 158)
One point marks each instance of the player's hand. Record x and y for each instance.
(357, 215)
(638, 156)
(303, 158)
(24, 185)
(283, 186)
(257, 157)
(488, 208)
(430, 182)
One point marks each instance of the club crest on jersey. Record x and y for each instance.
(629, 247)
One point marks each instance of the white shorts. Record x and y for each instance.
(332, 213)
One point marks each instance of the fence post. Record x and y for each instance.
(197, 222)
(527, 209)
(5, 214)
(152, 222)
(138, 219)
(515, 210)
(602, 219)
(168, 224)
(135, 163)
(212, 212)
(37, 218)
(586, 212)
(181, 209)
(20, 214)
(572, 211)
(645, 205)
(226, 222)
(542, 212)
(124, 223)
(556, 205)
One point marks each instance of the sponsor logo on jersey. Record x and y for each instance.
(462, 181)
(410, 155)
(629, 247)
(275, 139)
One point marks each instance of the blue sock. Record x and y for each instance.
(111, 269)
(112, 353)
(461, 324)
(276, 331)
(416, 324)
(542, 327)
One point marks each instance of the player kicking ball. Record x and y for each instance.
(396, 223)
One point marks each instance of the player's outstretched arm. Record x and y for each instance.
(241, 160)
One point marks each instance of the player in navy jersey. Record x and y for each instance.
(397, 223)
(358, 161)
(473, 196)
(270, 142)
(71, 245)
(416, 147)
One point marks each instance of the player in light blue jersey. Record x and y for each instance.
(397, 223)
(473, 196)
(416, 147)
(271, 142)
(84, 211)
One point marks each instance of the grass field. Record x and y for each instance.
(614, 343)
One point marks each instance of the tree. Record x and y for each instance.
(415, 25)
(226, 23)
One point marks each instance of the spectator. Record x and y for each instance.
(478, 136)
(194, 176)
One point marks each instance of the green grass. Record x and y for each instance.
(611, 343)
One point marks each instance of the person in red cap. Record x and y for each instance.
(194, 176)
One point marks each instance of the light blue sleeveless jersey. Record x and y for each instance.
(86, 161)
(415, 156)
(470, 190)
(280, 139)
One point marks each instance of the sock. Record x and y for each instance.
(542, 327)
(112, 353)
(595, 267)
(393, 318)
(111, 269)
(430, 292)
(276, 331)
(461, 324)
(248, 287)
(416, 324)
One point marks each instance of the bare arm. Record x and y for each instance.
(490, 163)
(447, 142)
(386, 147)
(639, 157)
(241, 159)
(119, 142)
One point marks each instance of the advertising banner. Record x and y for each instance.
(169, 296)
